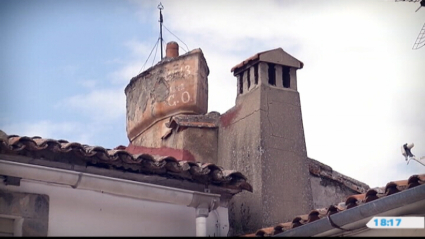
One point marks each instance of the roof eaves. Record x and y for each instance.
(61, 152)
(359, 213)
(355, 201)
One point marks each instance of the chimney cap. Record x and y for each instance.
(276, 56)
(172, 49)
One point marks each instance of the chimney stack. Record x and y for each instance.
(176, 86)
(263, 137)
(172, 50)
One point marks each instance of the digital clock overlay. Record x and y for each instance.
(396, 222)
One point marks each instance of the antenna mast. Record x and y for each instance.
(160, 7)
(420, 40)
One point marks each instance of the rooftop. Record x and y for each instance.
(356, 200)
(118, 162)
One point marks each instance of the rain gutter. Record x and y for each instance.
(358, 216)
(204, 203)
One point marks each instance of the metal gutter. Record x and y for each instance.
(204, 203)
(358, 216)
(110, 185)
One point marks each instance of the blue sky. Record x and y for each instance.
(64, 66)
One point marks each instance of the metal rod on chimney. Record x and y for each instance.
(160, 7)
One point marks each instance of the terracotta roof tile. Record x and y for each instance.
(283, 227)
(333, 209)
(392, 187)
(351, 201)
(268, 231)
(76, 153)
(371, 195)
(313, 216)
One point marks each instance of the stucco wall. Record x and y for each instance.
(327, 191)
(76, 212)
(285, 165)
(240, 149)
(330, 187)
(263, 137)
(201, 143)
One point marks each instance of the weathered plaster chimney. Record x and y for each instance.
(159, 101)
(262, 136)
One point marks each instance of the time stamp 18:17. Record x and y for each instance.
(396, 222)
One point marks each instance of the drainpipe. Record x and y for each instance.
(201, 222)
(203, 206)
(218, 225)
(203, 202)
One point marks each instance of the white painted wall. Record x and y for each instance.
(78, 212)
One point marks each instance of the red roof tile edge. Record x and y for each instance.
(351, 201)
(76, 153)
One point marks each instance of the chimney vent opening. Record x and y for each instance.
(241, 83)
(286, 77)
(256, 74)
(272, 74)
(248, 74)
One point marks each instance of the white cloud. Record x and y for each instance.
(89, 132)
(124, 74)
(143, 15)
(136, 62)
(70, 131)
(359, 87)
(137, 48)
(100, 105)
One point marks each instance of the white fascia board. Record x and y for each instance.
(114, 186)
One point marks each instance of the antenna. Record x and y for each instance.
(407, 153)
(422, 4)
(160, 39)
(160, 7)
(420, 40)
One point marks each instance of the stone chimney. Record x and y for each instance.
(176, 86)
(262, 136)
